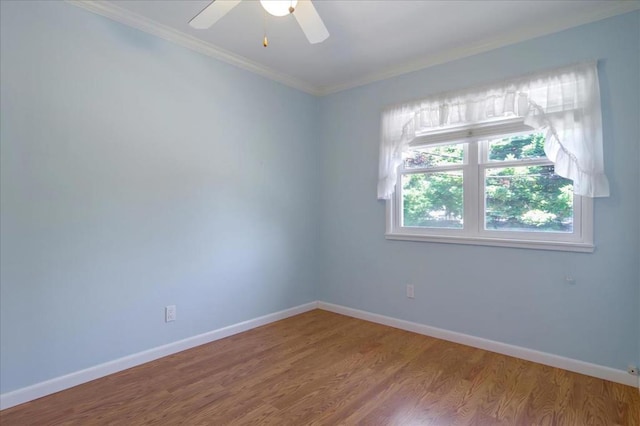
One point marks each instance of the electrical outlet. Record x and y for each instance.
(410, 293)
(170, 313)
(632, 369)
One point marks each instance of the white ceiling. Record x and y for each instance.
(369, 40)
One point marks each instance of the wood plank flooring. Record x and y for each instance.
(320, 368)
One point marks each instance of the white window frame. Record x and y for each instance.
(473, 167)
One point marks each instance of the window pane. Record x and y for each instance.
(517, 147)
(531, 199)
(432, 200)
(445, 155)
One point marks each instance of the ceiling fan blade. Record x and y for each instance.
(210, 14)
(310, 22)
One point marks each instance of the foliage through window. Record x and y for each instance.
(501, 189)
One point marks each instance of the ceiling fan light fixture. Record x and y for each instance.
(279, 7)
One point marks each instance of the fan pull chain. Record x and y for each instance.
(291, 8)
(265, 40)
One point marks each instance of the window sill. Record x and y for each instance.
(496, 242)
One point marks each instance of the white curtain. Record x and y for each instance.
(564, 103)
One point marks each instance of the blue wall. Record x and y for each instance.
(515, 296)
(138, 174)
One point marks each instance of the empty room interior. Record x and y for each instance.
(320, 212)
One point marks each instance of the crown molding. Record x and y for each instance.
(524, 34)
(131, 19)
(126, 17)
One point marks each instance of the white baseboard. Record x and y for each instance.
(57, 384)
(586, 368)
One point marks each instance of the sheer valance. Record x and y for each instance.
(564, 103)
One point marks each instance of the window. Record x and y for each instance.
(515, 163)
(496, 188)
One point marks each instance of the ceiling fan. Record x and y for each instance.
(303, 10)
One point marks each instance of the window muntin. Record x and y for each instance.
(500, 191)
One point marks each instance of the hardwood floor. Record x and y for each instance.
(320, 368)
